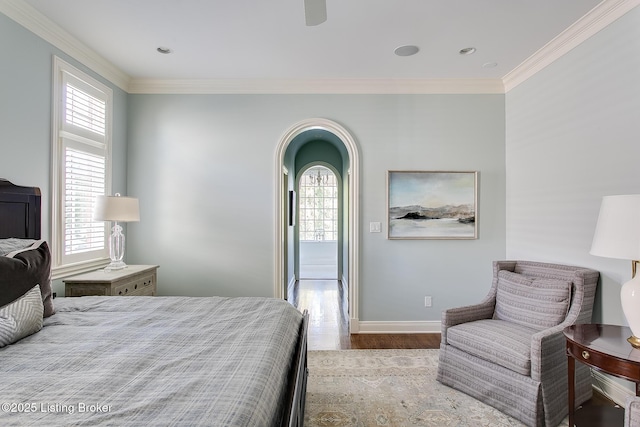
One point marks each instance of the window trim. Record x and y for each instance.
(63, 72)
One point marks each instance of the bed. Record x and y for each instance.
(138, 361)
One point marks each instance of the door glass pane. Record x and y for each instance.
(318, 205)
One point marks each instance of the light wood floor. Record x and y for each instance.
(326, 301)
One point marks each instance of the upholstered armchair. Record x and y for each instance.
(509, 350)
(632, 412)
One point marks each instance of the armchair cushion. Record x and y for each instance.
(504, 343)
(535, 302)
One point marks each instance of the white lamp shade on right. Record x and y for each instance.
(617, 233)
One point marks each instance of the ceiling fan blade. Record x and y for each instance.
(315, 12)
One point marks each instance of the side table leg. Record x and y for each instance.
(572, 392)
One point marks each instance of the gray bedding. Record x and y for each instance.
(152, 361)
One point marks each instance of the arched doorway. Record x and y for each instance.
(284, 184)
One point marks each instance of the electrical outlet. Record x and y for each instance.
(427, 301)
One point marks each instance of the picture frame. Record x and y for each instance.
(432, 205)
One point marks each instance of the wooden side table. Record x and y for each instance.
(605, 348)
(134, 280)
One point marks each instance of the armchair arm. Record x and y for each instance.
(548, 353)
(469, 313)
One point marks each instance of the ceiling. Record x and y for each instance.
(268, 39)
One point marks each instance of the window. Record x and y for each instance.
(81, 168)
(318, 210)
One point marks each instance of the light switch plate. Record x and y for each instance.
(374, 227)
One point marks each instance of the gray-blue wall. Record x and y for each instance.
(203, 167)
(573, 137)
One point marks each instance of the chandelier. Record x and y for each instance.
(318, 179)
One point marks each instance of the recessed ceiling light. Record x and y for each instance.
(467, 51)
(164, 50)
(490, 65)
(406, 50)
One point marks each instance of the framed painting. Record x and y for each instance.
(432, 205)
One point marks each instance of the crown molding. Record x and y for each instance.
(328, 86)
(25, 15)
(598, 18)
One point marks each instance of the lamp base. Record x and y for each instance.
(115, 265)
(630, 300)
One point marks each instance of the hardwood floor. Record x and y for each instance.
(326, 301)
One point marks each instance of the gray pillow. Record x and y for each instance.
(13, 244)
(22, 317)
(530, 301)
(21, 270)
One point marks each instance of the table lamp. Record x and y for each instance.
(117, 209)
(617, 235)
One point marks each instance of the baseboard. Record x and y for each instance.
(354, 326)
(401, 327)
(610, 388)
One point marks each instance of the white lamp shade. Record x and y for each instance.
(116, 208)
(617, 233)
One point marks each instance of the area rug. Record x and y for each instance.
(389, 388)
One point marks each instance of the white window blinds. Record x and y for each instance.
(84, 180)
(84, 110)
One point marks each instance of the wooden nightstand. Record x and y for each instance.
(135, 280)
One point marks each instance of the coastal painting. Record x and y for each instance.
(432, 205)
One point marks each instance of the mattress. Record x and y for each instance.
(153, 361)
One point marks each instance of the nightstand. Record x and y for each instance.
(134, 280)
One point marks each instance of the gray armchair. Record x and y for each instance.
(509, 350)
(632, 412)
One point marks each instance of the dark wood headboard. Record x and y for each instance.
(19, 211)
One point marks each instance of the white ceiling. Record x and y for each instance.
(268, 39)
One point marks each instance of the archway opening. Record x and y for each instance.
(285, 174)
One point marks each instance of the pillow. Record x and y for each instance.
(538, 303)
(21, 270)
(13, 244)
(22, 317)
